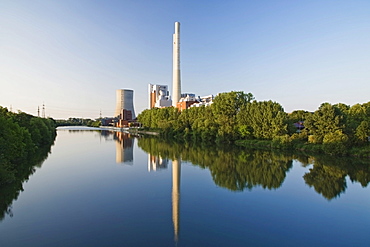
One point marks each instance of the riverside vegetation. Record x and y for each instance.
(25, 142)
(235, 117)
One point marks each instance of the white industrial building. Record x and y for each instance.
(159, 96)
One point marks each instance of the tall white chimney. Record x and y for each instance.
(176, 79)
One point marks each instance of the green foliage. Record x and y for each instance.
(294, 117)
(333, 129)
(262, 120)
(363, 131)
(335, 143)
(78, 122)
(225, 108)
(21, 135)
(327, 119)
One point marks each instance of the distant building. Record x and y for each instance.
(159, 96)
(124, 118)
(107, 121)
(125, 101)
(204, 101)
(186, 100)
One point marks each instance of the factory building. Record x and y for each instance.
(159, 96)
(186, 100)
(204, 101)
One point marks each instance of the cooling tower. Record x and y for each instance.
(176, 79)
(125, 101)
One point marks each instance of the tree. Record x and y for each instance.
(327, 119)
(363, 131)
(225, 108)
(262, 120)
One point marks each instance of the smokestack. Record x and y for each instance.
(176, 79)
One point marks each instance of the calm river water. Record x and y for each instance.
(100, 188)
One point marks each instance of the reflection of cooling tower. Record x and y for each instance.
(125, 101)
(124, 147)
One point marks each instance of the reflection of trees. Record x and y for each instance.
(230, 167)
(328, 175)
(238, 169)
(327, 181)
(10, 192)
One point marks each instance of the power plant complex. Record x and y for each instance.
(159, 95)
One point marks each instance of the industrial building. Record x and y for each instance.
(125, 101)
(159, 96)
(125, 112)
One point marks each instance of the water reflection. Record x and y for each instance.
(124, 147)
(238, 169)
(176, 175)
(10, 192)
(328, 175)
(231, 168)
(156, 163)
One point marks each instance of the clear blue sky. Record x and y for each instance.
(72, 55)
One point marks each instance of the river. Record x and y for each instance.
(101, 188)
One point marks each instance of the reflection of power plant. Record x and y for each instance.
(156, 163)
(176, 175)
(124, 147)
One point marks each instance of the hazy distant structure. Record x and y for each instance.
(125, 102)
(176, 79)
(159, 96)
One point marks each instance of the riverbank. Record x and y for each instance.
(307, 148)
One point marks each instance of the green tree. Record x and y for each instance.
(327, 119)
(225, 108)
(363, 131)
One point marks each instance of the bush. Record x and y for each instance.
(282, 142)
(335, 143)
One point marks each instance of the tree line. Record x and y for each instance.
(237, 117)
(21, 136)
(78, 122)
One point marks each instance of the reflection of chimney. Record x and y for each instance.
(176, 174)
